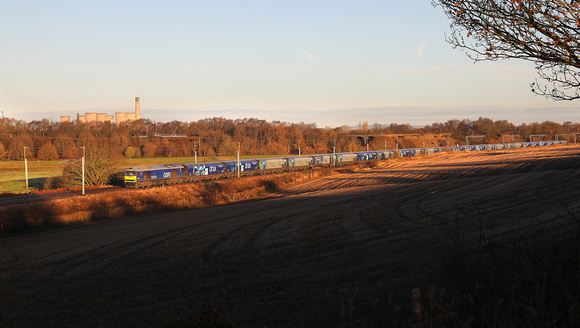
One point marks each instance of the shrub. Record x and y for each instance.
(132, 152)
(52, 183)
(117, 178)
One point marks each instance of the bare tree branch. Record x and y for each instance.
(544, 32)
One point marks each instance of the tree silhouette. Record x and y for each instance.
(543, 32)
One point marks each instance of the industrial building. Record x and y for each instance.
(104, 117)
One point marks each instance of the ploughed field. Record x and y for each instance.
(342, 250)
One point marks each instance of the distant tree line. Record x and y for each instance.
(46, 140)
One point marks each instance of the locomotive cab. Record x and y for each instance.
(131, 178)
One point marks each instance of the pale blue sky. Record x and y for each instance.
(326, 62)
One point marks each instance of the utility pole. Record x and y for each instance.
(26, 169)
(298, 147)
(334, 154)
(195, 151)
(238, 160)
(83, 169)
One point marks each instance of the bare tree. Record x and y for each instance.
(100, 163)
(545, 32)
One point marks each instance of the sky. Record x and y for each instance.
(332, 63)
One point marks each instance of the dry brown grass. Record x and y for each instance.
(21, 217)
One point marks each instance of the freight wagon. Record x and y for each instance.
(300, 162)
(145, 176)
(204, 171)
(246, 167)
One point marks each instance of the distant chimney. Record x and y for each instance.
(137, 109)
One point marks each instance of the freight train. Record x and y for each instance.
(155, 175)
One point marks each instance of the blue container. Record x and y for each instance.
(317, 160)
(367, 155)
(203, 169)
(246, 165)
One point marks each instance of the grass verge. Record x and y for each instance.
(43, 214)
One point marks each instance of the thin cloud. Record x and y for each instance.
(307, 54)
(420, 50)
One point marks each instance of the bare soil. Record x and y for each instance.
(343, 250)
